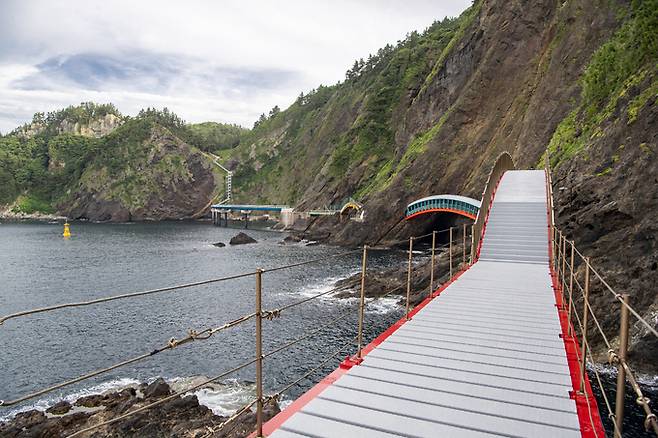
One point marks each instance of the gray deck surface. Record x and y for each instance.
(482, 359)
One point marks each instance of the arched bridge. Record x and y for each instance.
(461, 205)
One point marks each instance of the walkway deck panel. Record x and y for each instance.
(484, 358)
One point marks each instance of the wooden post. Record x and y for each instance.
(450, 246)
(569, 328)
(464, 245)
(583, 348)
(411, 247)
(362, 301)
(259, 354)
(621, 372)
(564, 268)
(432, 264)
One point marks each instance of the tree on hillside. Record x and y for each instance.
(260, 120)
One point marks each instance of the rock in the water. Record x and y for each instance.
(219, 244)
(241, 239)
(157, 389)
(60, 408)
(291, 239)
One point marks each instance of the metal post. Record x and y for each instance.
(464, 245)
(564, 268)
(583, 348)
(362, 301)
(621, 372)
(432, 263)
(450, 252)
(573, 249)
(259, 354)
(411, 246)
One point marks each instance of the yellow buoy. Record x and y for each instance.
(67, 230)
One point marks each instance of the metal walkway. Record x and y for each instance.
(484, 358)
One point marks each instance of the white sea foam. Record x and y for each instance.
(46, 402)
(373, 305)
(224, 398)
(382, 305)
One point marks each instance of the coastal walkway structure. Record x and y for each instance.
(219, 210)
(461, 205)
(495, 351)
(485, 357)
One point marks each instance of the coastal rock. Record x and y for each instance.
(291, 239)
(60, 408)
(241, 239)
(180, 416)
(157, 389)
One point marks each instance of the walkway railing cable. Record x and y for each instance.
(566, 278)
(123, 296)
(258, 315)
(171, 344)
(618, 296)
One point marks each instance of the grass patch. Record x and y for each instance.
(619, 65)
(29, 204)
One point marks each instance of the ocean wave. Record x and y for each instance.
(373, 305)
(101, 388)
(649, 381)
(222, 398)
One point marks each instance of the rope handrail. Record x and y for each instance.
(579, 359)
(185, 285)
(164, 400)
(616, 295)
(277, 311)
(445, 230)
(650, 417)
(237, 414)
(591, 311)
(212, 430)
(315, 369)
(122, 296)
(308, 262)
(171, 344)
(213, 379)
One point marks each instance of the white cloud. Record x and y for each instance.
(206, 60)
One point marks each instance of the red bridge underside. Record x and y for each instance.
(441, 210)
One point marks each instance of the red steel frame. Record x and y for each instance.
(591, 426)
(441, 210)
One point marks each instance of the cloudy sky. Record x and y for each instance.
(224, 61)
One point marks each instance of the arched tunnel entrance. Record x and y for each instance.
(427, 223)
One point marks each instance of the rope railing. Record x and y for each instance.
(193, 335)
(259, 315)
(122, 296)
(566, 279)
(618, 296)
(624, 371)
(165, 399)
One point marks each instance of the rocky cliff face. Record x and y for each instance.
(576, 77)
(153, 176)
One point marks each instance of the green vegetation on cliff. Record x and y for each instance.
(344, 129)
(622, 71)
(214, 137)
(46, 164)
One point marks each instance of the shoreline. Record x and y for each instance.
(191, 411)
